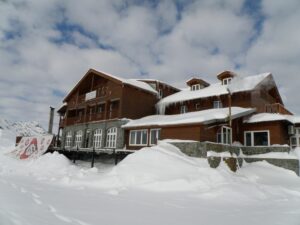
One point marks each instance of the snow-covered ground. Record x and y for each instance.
(158, 185)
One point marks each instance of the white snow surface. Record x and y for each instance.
(268, 117)
(157, 185)
(203, 116)
(238, 84)
(132, 82)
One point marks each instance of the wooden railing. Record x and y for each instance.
(277, 108)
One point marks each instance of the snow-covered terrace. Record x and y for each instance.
(269, 117)
(204, 116)
(238, 84)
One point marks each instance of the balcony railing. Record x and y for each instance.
(277, 108)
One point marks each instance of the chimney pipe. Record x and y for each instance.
(50, 127)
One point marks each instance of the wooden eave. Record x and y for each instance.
(194, 80)
(226, 74)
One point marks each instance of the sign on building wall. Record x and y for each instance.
(32, 147)
(90, 95)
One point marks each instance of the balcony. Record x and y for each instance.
(277, 108)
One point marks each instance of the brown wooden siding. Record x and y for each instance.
(278, 131)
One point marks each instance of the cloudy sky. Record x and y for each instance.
(47, 45)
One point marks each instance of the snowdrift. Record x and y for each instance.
(162, 168)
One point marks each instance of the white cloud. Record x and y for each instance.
(126, 39)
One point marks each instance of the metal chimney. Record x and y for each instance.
(50, 127)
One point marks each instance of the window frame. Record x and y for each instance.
(150, 136)
(183, 109)
(252, 137)
(160, 93)
(68, 141)
(111, 137)
(222, 135)
(97, 138)
(78, 139)
(217, 103)
(226, 81)
(135, 137)
(195, 87)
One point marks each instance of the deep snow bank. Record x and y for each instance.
(159, 168)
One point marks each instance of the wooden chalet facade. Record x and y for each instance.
(96, 108)
(107, 112)
(253, 95)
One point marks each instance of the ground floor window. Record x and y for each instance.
(257, 138)
(295, 141)
(97, 138)
(111, 137)
(224, 135)
(78, 138)
(154, 136)
(68, 142)
(138, 137)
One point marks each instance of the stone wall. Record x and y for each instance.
(200, 149)
(97, 125)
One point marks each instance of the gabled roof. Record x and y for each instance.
(199, 117)
(131, 82)
(238, 84)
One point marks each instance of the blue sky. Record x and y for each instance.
(47, 46)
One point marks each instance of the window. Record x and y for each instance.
(160, 93)
(196, 87)
(68, 142)
(224, 135)
(154, 136)
(78, 138)
(257, 138)
(226, 81)
(197, 106)
(217, 104)
(183, 109)
(138, 137)
(97, 138)
(111, 137)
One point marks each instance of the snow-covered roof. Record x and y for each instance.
(204, 116)
(131, 82)
(238, 84)
(269, 117)
(157, 81)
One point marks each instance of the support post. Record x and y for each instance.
(93, 158)
(116, 158)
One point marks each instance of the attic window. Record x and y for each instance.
(226, 81)
(196, 87)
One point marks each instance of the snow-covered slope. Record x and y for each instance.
(9, 131)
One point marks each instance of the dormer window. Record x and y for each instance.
(226, 81)
(196, 87)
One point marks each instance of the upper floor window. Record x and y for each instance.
(198, 106)
(196, 87)
(217, 104)
(183, 109)
(160, 93)
(226, 81)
